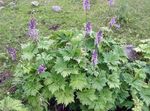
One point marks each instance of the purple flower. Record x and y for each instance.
(88, 29)
(86, 5)
(99, 37)
(56, 8)
(130, 52)
(94, 57)
(12, 52)
(32, 24)
(41, 69)
(111, 2)
(32, 31)
(113, 23)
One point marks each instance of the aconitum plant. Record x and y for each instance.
(12, 52)
(111, 2)
(86, 5)
(56, 69)
(130, 52)
(99, 37)
(94, 57)
(32, 31)
(113, 23)
(88, 29)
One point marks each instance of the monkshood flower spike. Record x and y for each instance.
(94, 57)
(88, 28)
(32, 24)
(99, 37)
(41, 69)
(12, 52)
(86, 5)
(130, 52)
(113, 23)
(110, 2)
(32, 31)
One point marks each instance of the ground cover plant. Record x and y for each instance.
(76, 69)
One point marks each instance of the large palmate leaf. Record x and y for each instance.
(145, 95)
(113, 80)
(62, 68)
(87, 96)
(10, 104)
(45, 43)
(99, 82)
(78, 81)
(28, 51)
(55, 82)
(65, 96)
(104, 101)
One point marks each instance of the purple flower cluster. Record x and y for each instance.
(111, 2)
(86, 5)
(41, 69)
(88, 29)
(12, 52)
(99, 37)
(94, 57)
(32, 31)
(113, 23)
(130, 52)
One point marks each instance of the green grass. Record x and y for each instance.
(13, 25)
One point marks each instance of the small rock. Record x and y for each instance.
(1, 3)
(1, 7)
(56, 8)
(35, 3)
(12, 4)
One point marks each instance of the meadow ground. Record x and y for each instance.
(133, 15)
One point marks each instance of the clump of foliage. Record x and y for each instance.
(68, 75)
(10, 104)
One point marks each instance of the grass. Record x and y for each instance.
(133, 16)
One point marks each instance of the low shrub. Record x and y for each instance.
(71, 69)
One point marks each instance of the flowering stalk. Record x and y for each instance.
(130, 52)
(12, 52)
(86, 5)
(94, 57)
(111, 2)
(113, 23)
(32, 31)
(88, 29)
(99, 37)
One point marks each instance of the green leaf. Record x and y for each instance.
(10, 104)
(45, 43)
(138, 104)
(99, 82)
(111, 57)
(113, 80)
(28, 51)
(78, 81)
(55, 82)
(104, 101)
(145, 95)
(44, 57)
(61, 67)
(32, 87)
(65, 96)
(87, 96)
